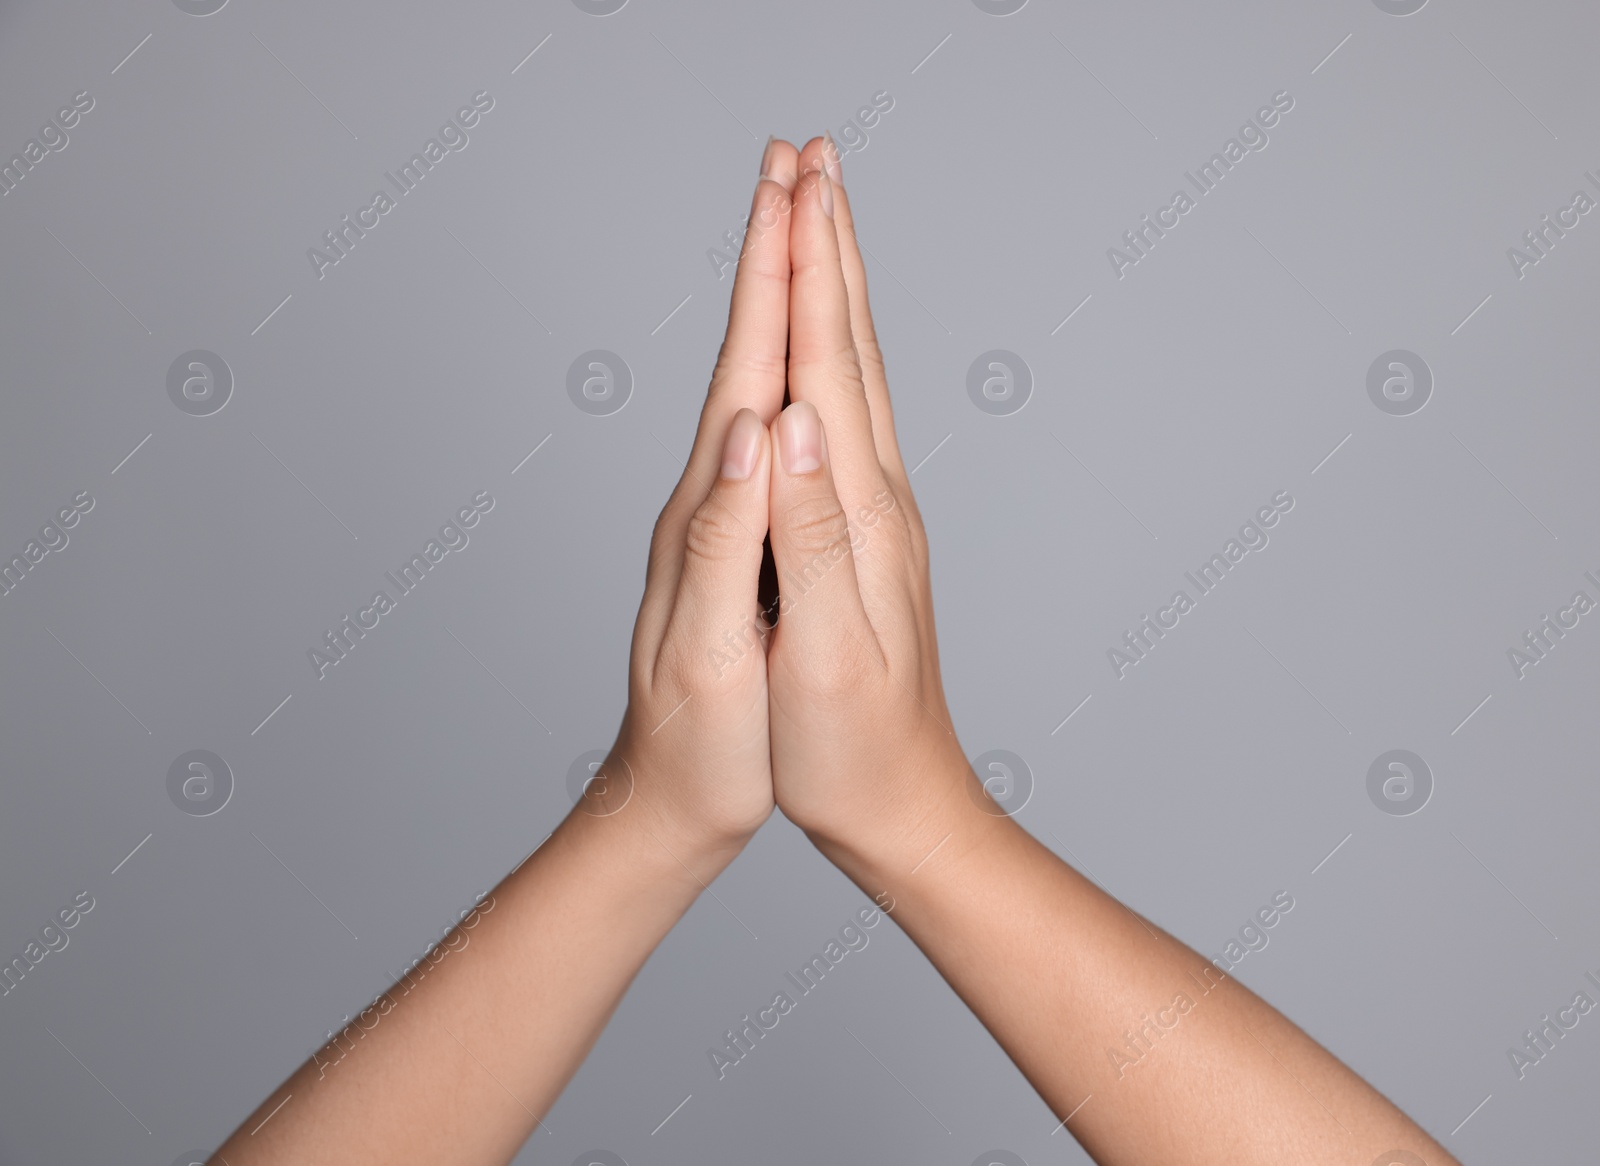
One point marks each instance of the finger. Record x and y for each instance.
(750, 369)
(861, 326)
(819, 597)
(823, 369)
(712, 625)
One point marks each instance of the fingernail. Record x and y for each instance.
(742, 446)
(800, 438)
(766, 156)
(826, 192)
(831, 157)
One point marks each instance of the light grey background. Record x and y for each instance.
(372, 403)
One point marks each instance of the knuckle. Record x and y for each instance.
(712, 535)
(815, 523)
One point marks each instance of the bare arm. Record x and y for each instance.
(1145, 1050)
(460, 1060)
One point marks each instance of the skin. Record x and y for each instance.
(840, 720)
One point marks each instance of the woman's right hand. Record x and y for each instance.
(863, 755)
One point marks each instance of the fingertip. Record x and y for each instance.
(802, 448)
(742, 448)
(780, 163)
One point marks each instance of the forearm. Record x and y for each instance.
(461, 1058)
(1151, 1052)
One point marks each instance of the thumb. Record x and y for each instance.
(722, 545)
(811, 546)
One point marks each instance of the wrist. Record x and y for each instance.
(655, 830)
